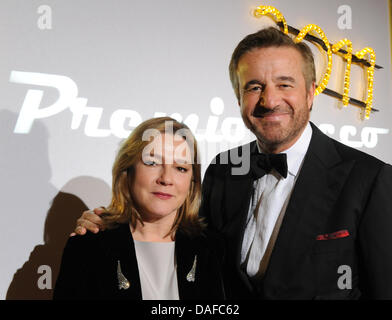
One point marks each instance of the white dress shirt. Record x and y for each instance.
(275, 192)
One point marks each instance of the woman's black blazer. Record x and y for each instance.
(89, 266)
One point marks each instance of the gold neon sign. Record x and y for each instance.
(347, 55)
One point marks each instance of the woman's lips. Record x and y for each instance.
(162, 195)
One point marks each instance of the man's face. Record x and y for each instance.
(275, 104)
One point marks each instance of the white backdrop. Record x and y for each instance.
(77, 76)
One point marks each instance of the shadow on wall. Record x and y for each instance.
(27, 194)
(37, 277)
(25, 191)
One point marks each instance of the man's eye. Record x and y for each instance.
(254, 89)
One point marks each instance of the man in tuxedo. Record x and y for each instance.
(311, 218)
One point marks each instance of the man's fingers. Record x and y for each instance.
(80, 230)
(89, 221)
(83, 225)
(91, 216)
(98, 211)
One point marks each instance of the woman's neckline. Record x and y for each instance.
(161, 242)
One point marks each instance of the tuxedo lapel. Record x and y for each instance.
(238, 192)
(316, 190)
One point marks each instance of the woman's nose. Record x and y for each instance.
(165, 176)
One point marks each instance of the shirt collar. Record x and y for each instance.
(296, 153)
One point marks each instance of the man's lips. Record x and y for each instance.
(270, 114)
(275, 116)
(162, 195)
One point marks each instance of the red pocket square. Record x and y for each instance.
(334, 235)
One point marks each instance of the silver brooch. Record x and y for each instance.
(191, 274)
(123, 282)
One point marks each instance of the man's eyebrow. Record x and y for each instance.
(285, 78)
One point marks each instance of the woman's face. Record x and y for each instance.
(162, 178)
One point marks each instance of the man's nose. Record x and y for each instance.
(269, 98)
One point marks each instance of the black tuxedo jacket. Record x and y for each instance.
(89, 266)
(334, 241)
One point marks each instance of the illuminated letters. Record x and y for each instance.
(122, 121)
(335, 48)
(68, 98)
(344, 23)
(263, 10)
(368, 135)
(30, 108)
(370, 77)
(226, 131)
(323, 84)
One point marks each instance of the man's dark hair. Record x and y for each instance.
(271, 37)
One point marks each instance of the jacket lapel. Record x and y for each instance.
(238, 192)
(186, 251)
(316, 190)
(120, 247)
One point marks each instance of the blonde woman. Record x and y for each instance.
(154, 245)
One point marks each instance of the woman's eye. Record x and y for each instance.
(150, 163)
(182, 169)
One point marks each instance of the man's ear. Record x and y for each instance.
(310, 95)
(238, 96)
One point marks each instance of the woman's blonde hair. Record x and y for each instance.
(122, 208)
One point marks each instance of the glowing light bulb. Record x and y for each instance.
(301, 35)
(370, 77)
(264, 10)
(331, 49)
(335, 48)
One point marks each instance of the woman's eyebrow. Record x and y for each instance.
(183, 160)
(155, 156)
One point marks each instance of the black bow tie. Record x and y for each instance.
(262, 164)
